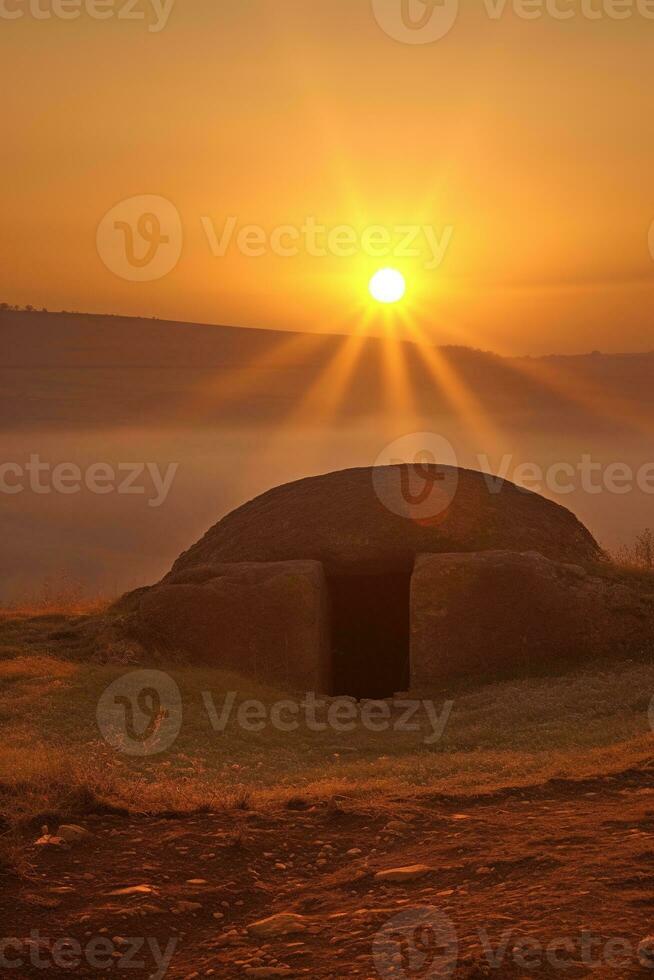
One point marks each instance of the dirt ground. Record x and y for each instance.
(569, 863)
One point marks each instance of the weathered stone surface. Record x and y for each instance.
(410, 873)
(282, 924)
(340, 520)
(72, 833)
(646, 952)
(477, 615)
(266, 620)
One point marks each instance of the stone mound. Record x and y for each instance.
(377, 520)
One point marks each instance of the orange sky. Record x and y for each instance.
(531, 140)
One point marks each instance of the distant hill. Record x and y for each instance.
(67, 370)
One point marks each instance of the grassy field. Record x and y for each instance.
(53, 758)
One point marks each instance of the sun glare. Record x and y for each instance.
(387, 286)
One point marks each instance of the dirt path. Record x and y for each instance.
(570, 862)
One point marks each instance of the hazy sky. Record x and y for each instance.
(524, 146)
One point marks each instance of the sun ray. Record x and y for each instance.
(461, 398)
(580, 391)
(324, 397)
(399, 390)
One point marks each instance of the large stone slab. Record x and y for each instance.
(504, 613)
(266, 620)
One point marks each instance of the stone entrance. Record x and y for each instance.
(369, 634)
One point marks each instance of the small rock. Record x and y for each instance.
(396, 826)
(410, 873)
(282, 924)
(134, 890)
(184, 906)
(49, 840)
(646, 951)
(40, 901)
(72, 833)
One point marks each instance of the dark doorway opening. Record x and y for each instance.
(370, 634)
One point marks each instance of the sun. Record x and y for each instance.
(387, 286)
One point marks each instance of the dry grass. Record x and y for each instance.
(55, 597)
(638, 554)
(54, 763)
(515, 732)
(636, 560)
